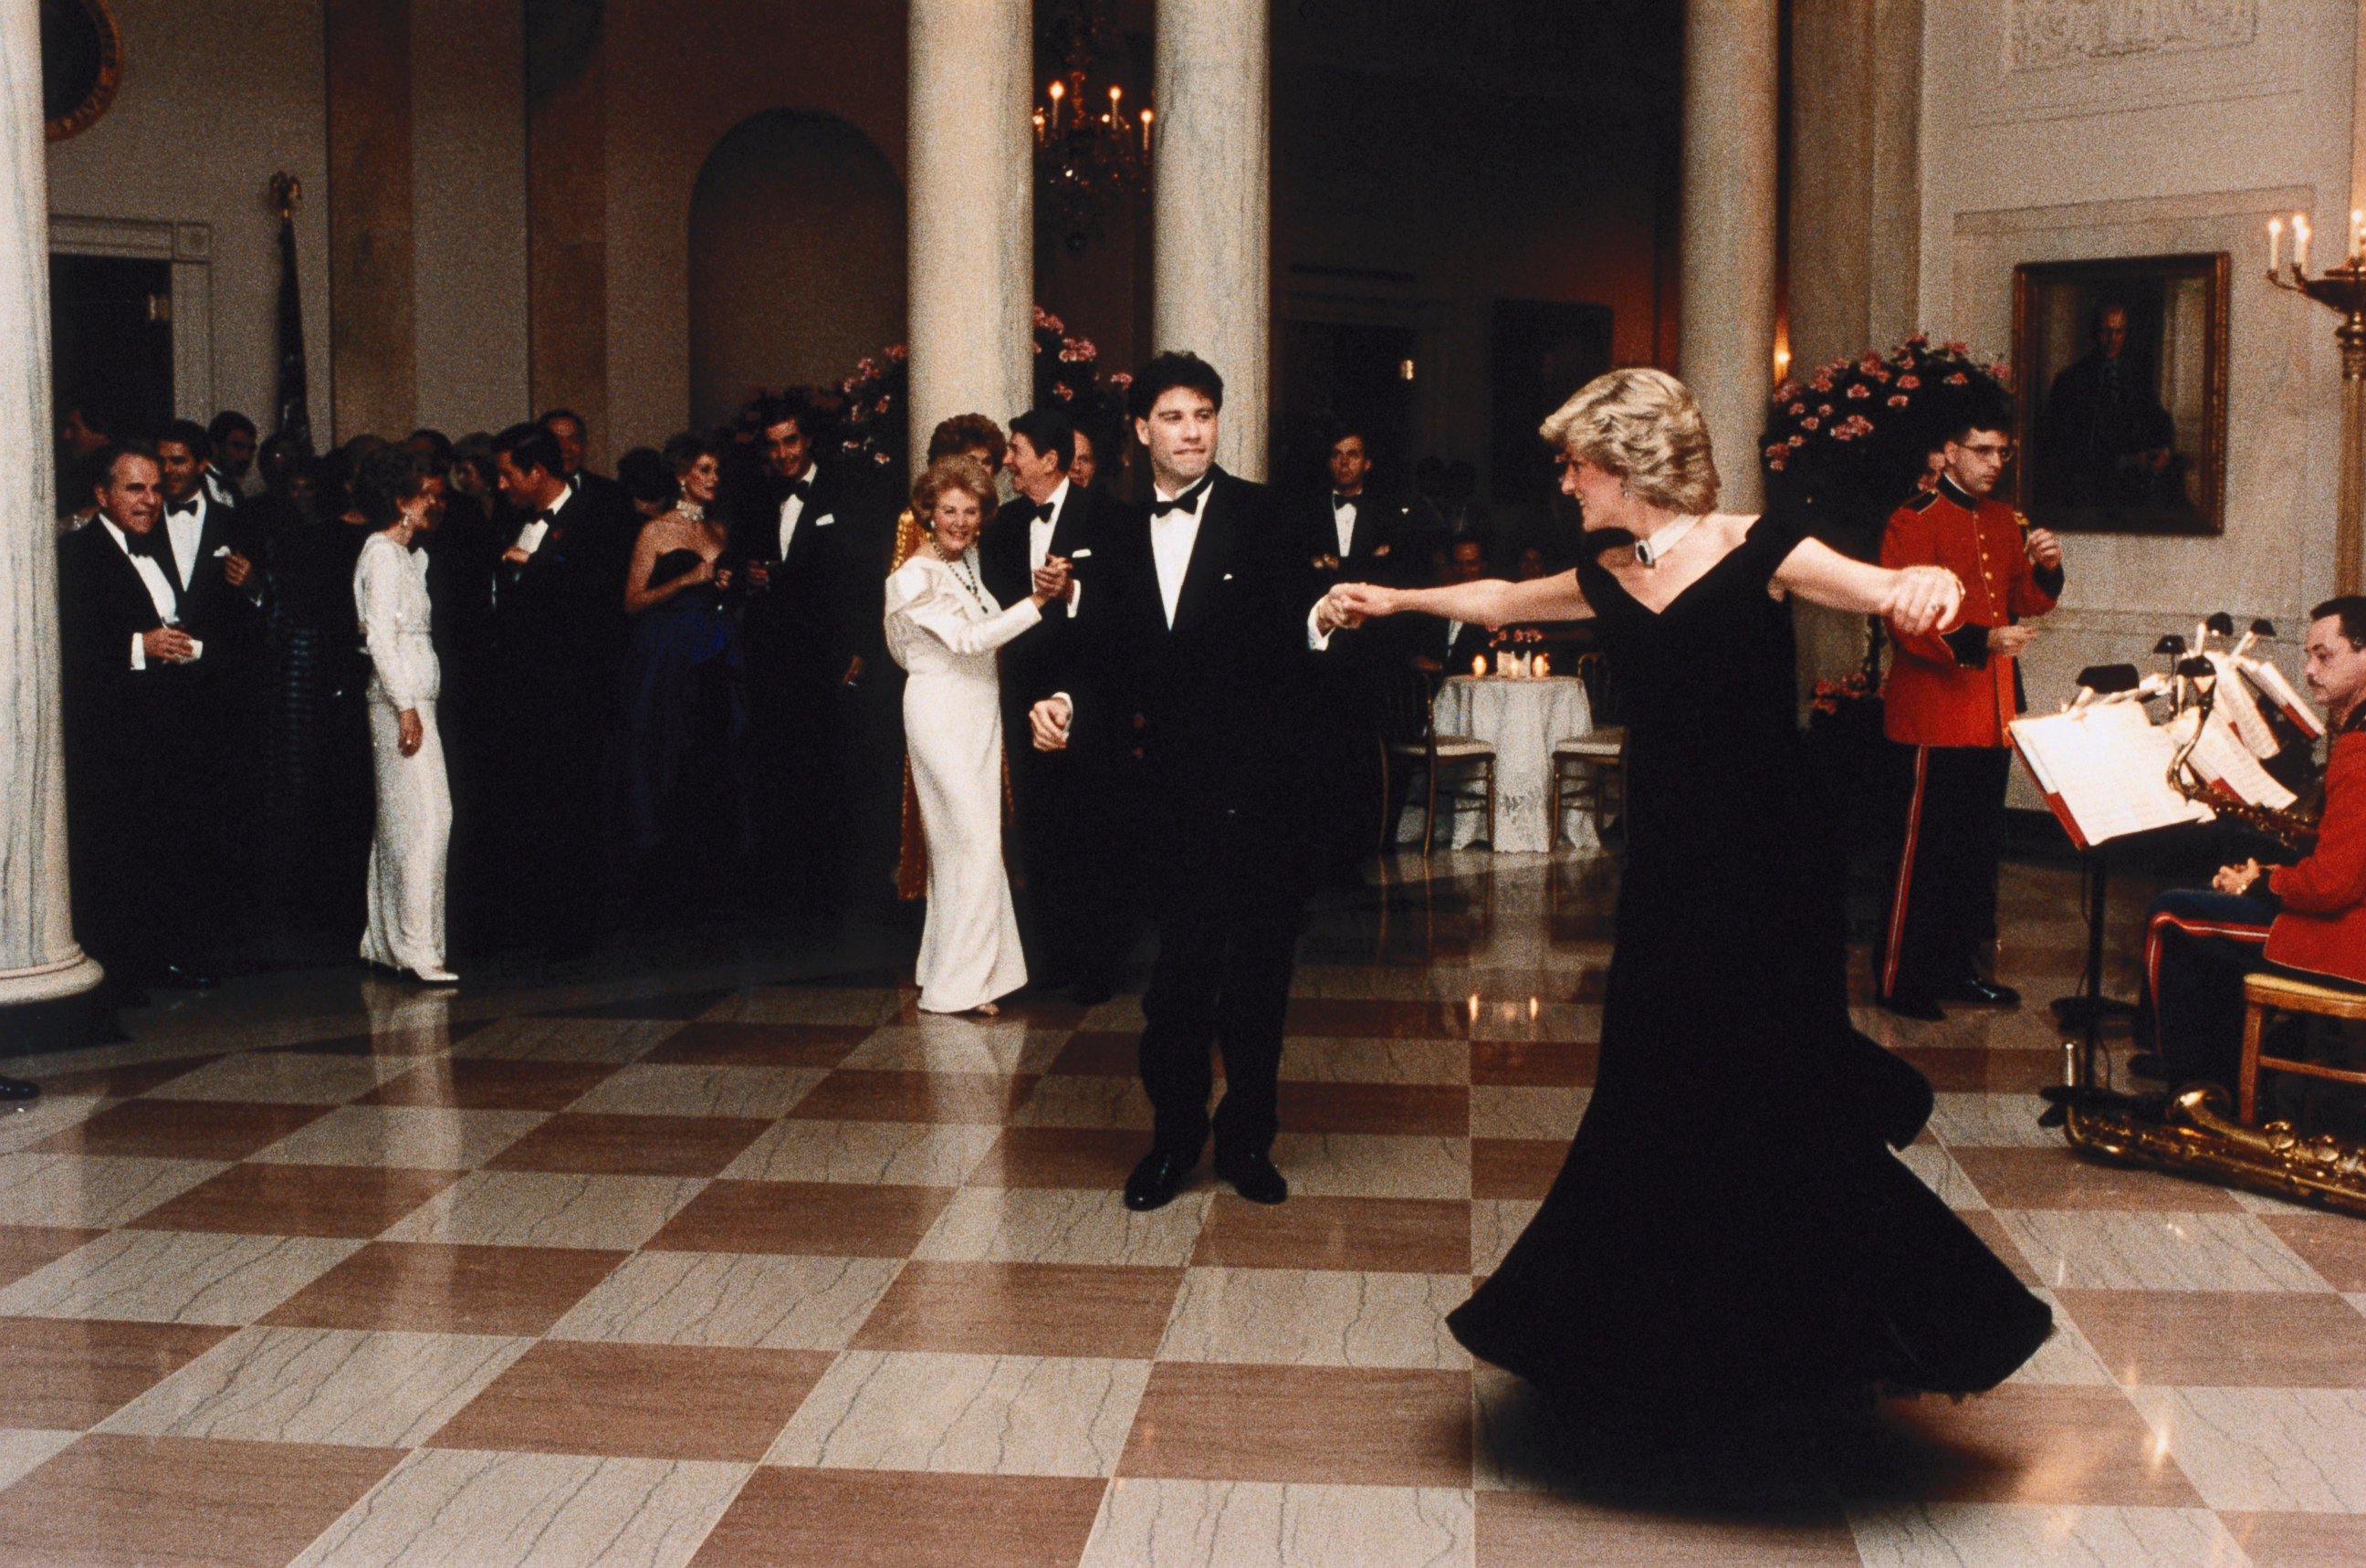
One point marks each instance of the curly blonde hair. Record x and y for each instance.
(1643, 425)
(965, 474)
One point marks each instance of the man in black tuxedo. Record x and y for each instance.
(805, 542)
(555, 611)
(1352, 535)
(232, 436)
(1067, 840)
(221, 593)
(608, 529)
(1192, 645)
(139, 711)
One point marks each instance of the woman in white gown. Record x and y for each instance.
(402, 503)
(943, 627)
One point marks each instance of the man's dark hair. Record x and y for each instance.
(439, 446)
(766, 412)
(383, 480)
(188, 432)
(1335, 429)
(528, 447)
(100, 468)
(965, 432)
(1973, 407)
(1168, 371)
(226, 421)
(2352, 609)
(1048, 430)
(546, 418)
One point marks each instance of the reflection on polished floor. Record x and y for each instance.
(699, 1266)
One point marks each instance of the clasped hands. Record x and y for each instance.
(1350, 604)
(2237, 879)
(1053, 580)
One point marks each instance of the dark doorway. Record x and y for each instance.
(1342, 370)
(1544, 350)
(111, 340)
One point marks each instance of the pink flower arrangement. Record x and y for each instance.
(1898, 399)
(1860, 390)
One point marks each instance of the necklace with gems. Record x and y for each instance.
(959, 566)
(1652, 551)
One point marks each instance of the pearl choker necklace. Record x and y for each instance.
(1651, 552)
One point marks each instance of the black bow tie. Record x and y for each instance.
(547, 515)
(1037, 512)
(1188, 502)
(800, 489)
(175, 508)
(1341, 502)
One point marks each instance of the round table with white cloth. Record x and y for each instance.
(1523, 719)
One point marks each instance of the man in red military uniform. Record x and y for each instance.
(2308, 919)
(1949, 697)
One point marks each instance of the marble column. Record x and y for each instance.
(1726, 349)
(1211, 192)
(1855, 187)
(39, 959)
(971, 205)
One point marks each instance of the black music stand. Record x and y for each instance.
(2087, 1007)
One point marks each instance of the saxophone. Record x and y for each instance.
(2293, 828)
(2190, 1134)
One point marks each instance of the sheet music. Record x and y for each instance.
(2279, 691)
(2233, 699)
(2107, 764)
(2225, 762)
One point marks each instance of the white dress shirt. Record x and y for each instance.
(1344, 519)
(187, 530)
(537, 527)
(1171, 539)
(793, 509)
(152, 578)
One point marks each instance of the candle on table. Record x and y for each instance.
(1544, 665)
(1478, 664)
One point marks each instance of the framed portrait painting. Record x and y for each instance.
(2120, 367)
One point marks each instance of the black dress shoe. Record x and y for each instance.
(16, 1091)
(1921, 1009)
(1984, 993)
(1255, 1178)
(1156, 1180)
(182, 977)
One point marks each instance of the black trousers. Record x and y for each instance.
(2199, 944)
(1229, 903)
(1942, 885)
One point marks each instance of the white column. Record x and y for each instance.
(38, 959)
(1726, 353)
(971, 204)
(1211, 187)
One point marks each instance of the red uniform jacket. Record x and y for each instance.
(1945, 688)
(2321, 927)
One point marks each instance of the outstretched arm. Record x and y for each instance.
(1914, 599)
(1492, 602)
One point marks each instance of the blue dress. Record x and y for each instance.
(685, 719)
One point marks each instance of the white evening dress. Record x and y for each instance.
(414, 800)
(943, 627)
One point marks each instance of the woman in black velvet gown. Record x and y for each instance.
(1729, 1223)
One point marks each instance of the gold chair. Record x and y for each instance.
(1589, 769)
(2264, 994)
(1409, 733)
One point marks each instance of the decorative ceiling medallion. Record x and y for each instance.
(82, 64)
(2051, 33)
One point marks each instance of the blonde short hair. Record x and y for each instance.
(1643, 425)
(956, 472)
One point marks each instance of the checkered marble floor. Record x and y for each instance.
(684, 1268)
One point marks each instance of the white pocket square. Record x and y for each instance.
(826, 519)
(1228, 577)
(1082, 555)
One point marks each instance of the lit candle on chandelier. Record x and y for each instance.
(2275, 238)
(1145, 132)
(1059, 90)
(2300, 241)
(2356, 232)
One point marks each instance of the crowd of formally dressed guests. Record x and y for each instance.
(478, 701)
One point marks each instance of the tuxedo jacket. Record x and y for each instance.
(1216, 705)
(1377, 552)
(1002, 559)
(115, 714)
(824, 600)
(212, 610)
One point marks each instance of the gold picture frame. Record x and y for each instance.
(2121, 366)
(82, 64)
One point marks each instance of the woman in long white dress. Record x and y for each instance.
(402, 503)
(943, 627)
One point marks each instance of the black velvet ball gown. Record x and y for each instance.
(1731, 1225)
(682, 740)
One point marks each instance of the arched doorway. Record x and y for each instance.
(796, 258)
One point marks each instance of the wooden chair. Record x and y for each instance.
(1585, 768)
(2264, 994)
(1409, 734)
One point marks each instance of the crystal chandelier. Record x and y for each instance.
(1088, 146)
